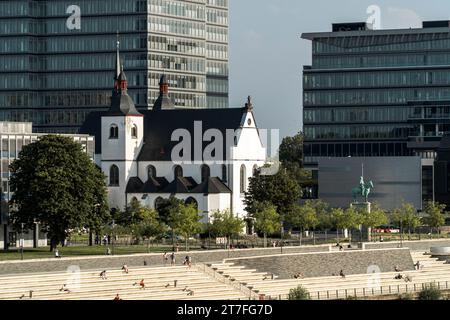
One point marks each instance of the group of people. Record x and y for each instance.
(407, 278)
(299, 275)
(166, 257)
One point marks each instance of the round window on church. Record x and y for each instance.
(249, 122)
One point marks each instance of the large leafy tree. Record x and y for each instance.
(303, 217)
(406, 217)
(225, 224)
(167, 207)
(267, 219)
(281, 190)
(291, 150)
(375, 218)
(435, 214)
(323, 213)
(291, 158)
(56, 184)
(185, 221)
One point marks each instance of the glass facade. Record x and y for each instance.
(370, 92)
(54, 76)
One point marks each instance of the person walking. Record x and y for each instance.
(172, 259)
(125, 268)
(165, 258)
(103, 275)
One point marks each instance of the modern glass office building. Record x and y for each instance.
(372, 93)
(57, 65)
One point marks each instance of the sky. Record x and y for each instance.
(267, 54)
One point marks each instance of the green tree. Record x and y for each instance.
(185, 221)
(299, 293)
(57, 184)
(267, 219)
(303, 217)
(377, 217)
(281, 190)
(167, 207)
(406, 217)
(226, 224)
(347, 219)
(323, 213)
(430, 292)
(435, 215)
(148, 225)
(291, 150)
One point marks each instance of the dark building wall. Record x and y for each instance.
(396, 179)
(442, 172)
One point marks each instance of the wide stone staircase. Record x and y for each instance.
(263, 286)
(192, 284)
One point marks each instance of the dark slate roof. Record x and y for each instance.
(154, 185)
(211, 186)
(164, 102)
(159, 125)
(134, 185)
(122, 105)
(180, 185)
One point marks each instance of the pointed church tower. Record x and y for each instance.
(164, 102)
(122, 138)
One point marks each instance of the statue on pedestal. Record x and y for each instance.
(363, 190)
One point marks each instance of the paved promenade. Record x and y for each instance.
(153, 260)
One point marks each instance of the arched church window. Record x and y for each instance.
(114, 132)
(243, 175)
(114, 176)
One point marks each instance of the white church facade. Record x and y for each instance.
(201, 156)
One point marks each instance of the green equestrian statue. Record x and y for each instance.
(363, 190)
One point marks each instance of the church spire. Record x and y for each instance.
(117, 57)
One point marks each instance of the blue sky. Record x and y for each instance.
(267, 54)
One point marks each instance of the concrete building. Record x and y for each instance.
(56, 56)
(378, 93)
(14, 136)
(202, 156)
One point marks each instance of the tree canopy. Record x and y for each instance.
(435, 214)
(267, 219)
(281, 190)
(406, 217)
(225, 224)
(185, 221)
(56, 184)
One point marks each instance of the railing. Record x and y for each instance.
(249, 293)
(368, 292)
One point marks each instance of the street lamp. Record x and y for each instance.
(21, 242)
(401, 232)
(36, 230)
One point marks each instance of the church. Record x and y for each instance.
(201, 156)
